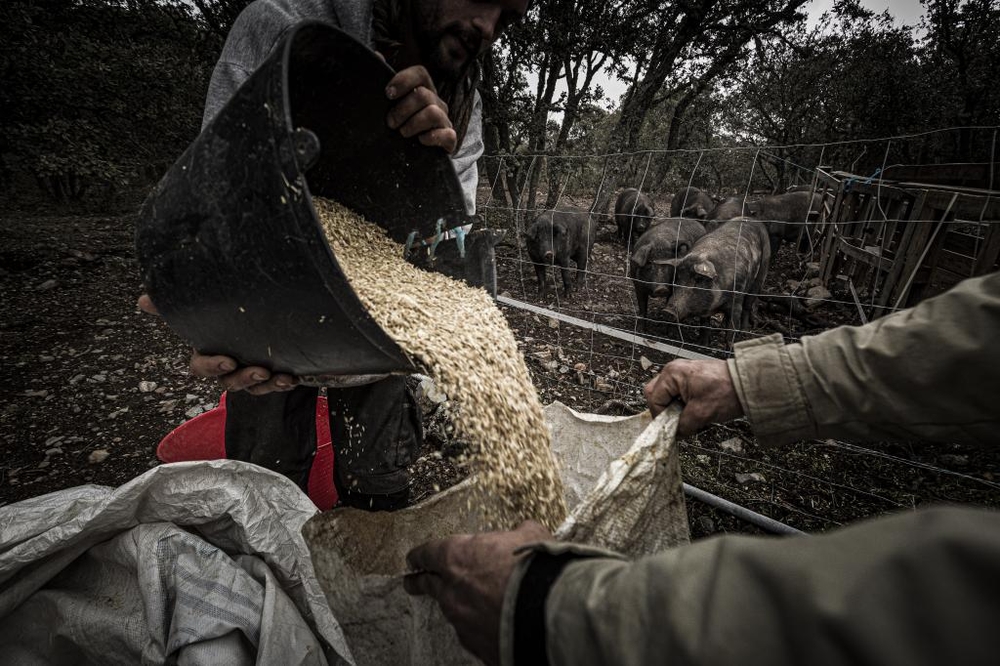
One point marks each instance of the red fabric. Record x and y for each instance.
(204, 438)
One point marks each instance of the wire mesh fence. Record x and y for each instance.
(859, 245)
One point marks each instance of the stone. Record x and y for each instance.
(48, 285)
(645, 363)
(733, 445)
(705, 524)
(752, 477)
(98, 456)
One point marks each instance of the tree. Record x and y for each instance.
(962, 56)
(99, 91)
(690, 45)
(564, 44)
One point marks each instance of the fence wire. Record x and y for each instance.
(591, 348)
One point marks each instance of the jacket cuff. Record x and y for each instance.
(770, 391)
(523, 635)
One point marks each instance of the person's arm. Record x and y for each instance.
(465, 158)
(916, 588)
(912, 589)
(929, 372)
(255, 32)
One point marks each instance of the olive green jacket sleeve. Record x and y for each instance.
(930, 372)
(912, 589)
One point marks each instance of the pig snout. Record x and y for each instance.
(548, 257)
(671, 314)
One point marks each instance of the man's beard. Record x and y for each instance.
(448, 52)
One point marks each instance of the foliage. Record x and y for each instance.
(109, 92)
(99, 91)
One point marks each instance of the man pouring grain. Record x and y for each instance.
(434, 46)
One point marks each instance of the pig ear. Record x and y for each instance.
(682, 249)
(560, 227)
(706, 268)
(641, 256)
(700, 212)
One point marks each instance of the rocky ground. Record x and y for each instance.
(91, 385)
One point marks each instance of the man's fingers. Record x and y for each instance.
(203, 365)
(433, 556)
(442, 138)
(145, 303)
(245, 379)
(410, 105)
(423, 583)
(276, 383)
(533, 530)
(407, 80)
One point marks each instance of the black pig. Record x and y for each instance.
(633, 214)
(555, 238)
(650, 268)
(723, 272)
(726, 210)
(786, 215)
(691, 202)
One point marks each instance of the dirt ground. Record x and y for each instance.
(90, 385)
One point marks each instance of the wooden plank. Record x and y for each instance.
(912, 227)
(955, 263)
(858, 254)
(966, 206)
(976, 174)
(911, 263)
(989, 254)
(829, 255)
(963, 243)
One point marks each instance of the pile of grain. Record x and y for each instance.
(458, 336)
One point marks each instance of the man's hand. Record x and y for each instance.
(705, 387)
(253, 380)
(418, 110)
(467, 575)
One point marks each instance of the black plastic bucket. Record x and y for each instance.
(229, 244)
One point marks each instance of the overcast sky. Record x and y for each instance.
(906, 12)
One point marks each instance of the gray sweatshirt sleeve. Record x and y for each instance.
(465, 158)
(259, 28)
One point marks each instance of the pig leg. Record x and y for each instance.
(734, 318)
(567, 279)
(749, 312)
(581, 266)
(756, 287)
(705, 334)
(540, 274)
(642, 300)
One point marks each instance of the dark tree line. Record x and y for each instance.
(99, 92)
(106, 93)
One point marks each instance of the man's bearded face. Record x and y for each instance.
(446, 37)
